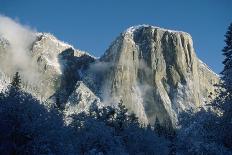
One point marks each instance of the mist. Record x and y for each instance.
(16, 58)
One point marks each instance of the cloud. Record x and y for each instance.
(17, 56)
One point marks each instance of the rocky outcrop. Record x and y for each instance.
(156, 73)
(81, 99)
(54, 67)
(58, 64)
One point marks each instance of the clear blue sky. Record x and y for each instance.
(91, 25)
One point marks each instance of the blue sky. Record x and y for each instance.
(91, 25)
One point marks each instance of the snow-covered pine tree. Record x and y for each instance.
(122, 116)
(15, 86)
(226, 125)
(16, 82)
(227, 52)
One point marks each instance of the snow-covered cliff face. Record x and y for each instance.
(154, 71)
(4, 79)
(157, 73)
(59, 65)
(54, 67)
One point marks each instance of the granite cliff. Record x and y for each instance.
(154, 71)
(157, 73)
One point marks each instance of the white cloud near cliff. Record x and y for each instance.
(20, 38)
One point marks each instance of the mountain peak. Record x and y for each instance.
(51, 37)
(156, 68)
(135, 28)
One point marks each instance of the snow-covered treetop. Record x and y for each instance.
(4, 42)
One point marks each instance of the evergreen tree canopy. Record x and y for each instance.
(16, 82)
(227, 52)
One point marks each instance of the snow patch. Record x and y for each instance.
(132, 29)
(63, 45)
(205, 66)
(81, 100)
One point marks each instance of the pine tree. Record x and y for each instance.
(14, 87)
(121, 118)
(16, 82)
(225, 99)
(133, 119)
(227, 52)
(157, 127)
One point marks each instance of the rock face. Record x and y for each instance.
(154, 71)
(55, 64)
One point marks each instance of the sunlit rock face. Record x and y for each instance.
(58, 64)
(53, 67)
(154, 71)
(157, 73)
